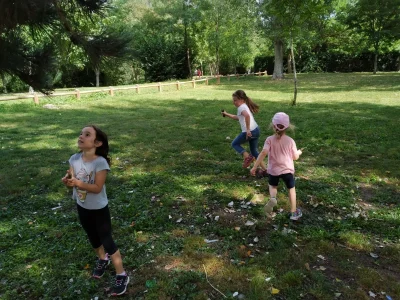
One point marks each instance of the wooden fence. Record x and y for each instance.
(35, 96)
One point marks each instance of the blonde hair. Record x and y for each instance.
(254, 108)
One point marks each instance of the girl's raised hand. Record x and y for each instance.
(73, 182)
(67, 176)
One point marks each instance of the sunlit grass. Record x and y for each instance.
(171, 160)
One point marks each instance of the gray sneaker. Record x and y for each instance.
(270, 205)
(296, 215)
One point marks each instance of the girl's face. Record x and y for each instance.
(87, 139)
(237, 101)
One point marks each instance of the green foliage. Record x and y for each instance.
(36, 37)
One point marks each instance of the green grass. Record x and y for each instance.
(171, 159)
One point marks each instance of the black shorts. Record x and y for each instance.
(287, 178)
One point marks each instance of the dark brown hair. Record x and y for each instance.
(103, 149)
(254, 108)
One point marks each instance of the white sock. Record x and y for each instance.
(122, 274)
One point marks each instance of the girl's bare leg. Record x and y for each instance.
(273, 190)
(100, 252)
(292, 199)
(117, 262)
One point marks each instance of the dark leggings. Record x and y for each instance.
(97, 224)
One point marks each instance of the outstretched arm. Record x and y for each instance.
(235, 117)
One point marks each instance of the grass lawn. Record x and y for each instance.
(174, 172)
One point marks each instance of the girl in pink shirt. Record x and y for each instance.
(282, 151)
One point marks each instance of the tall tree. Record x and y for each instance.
(378, 20)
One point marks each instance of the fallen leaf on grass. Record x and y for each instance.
(307, 265)
(322, 268)
(374, 255)
(371, 294)
(86, 267)
(210, 241)
(29, 266)
(274, 291)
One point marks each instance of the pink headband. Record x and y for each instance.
(282, 119)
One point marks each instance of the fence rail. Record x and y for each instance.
(77, 93)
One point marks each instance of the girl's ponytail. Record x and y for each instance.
(254, 108)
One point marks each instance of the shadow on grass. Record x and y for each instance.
(164, 152)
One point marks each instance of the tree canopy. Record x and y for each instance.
(29, 30)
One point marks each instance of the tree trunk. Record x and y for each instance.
(289, 63)
(376, 63)
(187, 53)
(294, 72)
(3, 79)
(217, 45)
(278, 64)
(97, 72)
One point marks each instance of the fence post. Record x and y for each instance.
(266, 73)
(218, 79)
(111, 91)
(237, 75)
(229, 77)
(137, 89)
(36, 98)
(159, 87)
(207, 81)
(78, 94)
(178, 86)
(193, 83)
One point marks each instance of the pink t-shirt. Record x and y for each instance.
(281, 153)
